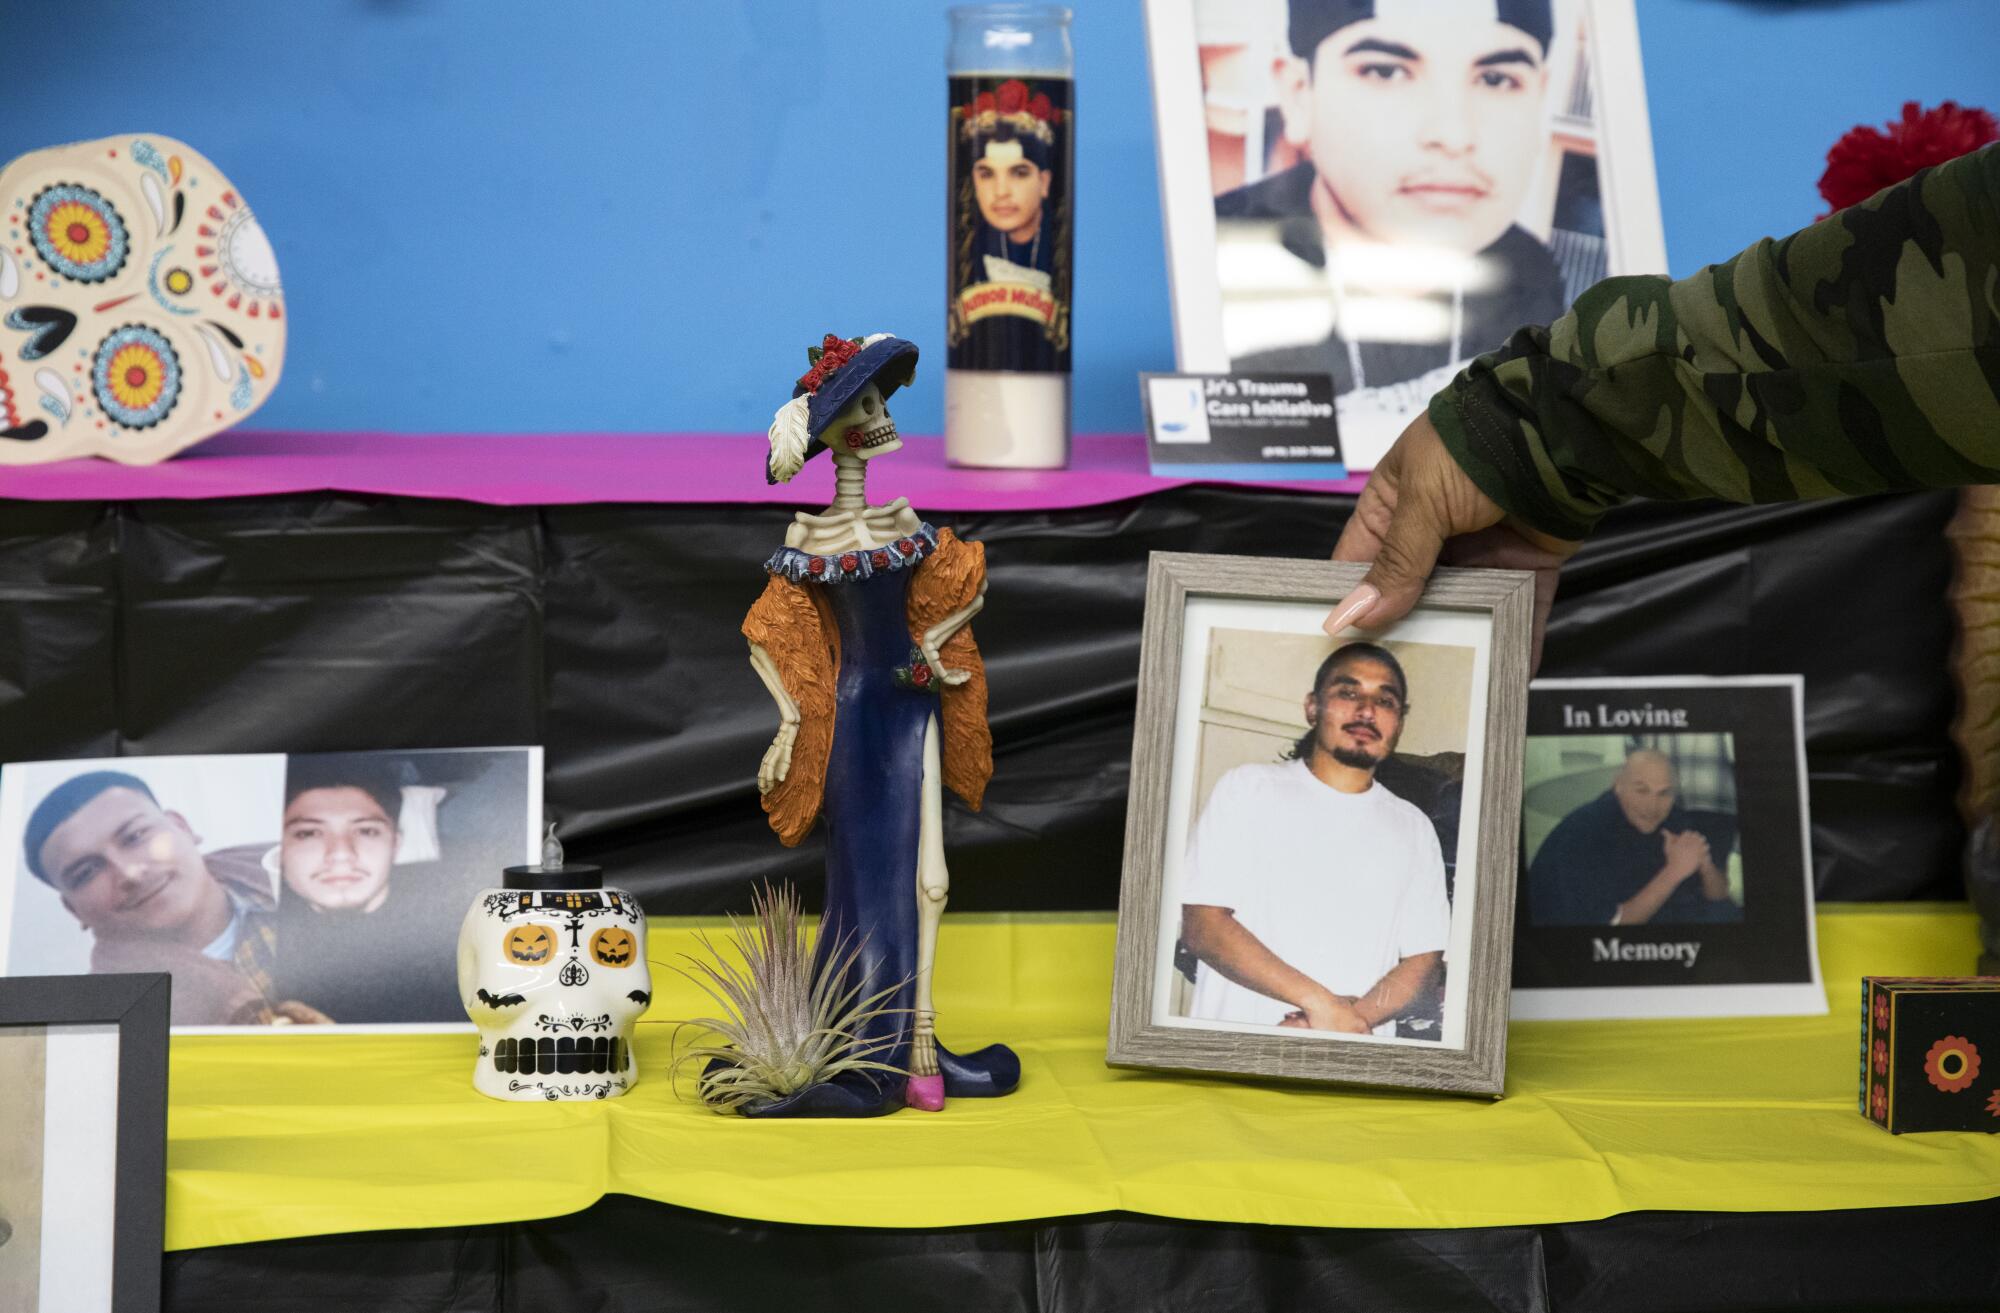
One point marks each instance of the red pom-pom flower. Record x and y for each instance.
(1012, 96)
(1868, 159)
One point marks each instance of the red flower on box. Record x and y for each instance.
(1868, 159)
(1993, 1103)
(1012, 96)
(1880, 1103)
(1952, 1063)
(1882, 1010)
(1881, 1057)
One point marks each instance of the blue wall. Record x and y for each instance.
(502, 216)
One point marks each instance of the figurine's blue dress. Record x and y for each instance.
(875, 795)
(885, 702)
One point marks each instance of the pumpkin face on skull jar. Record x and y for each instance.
(555, 979)
(140, 305)
(613, 946)
(528, 945)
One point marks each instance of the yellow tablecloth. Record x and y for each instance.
(290, 1135)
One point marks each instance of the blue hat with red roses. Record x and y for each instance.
(841, 368)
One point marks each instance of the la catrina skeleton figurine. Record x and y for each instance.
(862, 637)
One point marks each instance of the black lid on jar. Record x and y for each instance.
(571, 876)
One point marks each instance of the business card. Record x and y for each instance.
(1243, 427)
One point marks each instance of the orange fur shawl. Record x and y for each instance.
(791, 623)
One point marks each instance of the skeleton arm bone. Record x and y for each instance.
(933, 886)
(778, 757)
(941, 632)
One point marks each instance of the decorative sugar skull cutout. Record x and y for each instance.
(613, 946)
(140, 307)
(555, 980)
(529, 945)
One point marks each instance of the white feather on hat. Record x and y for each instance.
(791, 438)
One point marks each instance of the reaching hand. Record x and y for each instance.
(1420, 507)
(1685, 852)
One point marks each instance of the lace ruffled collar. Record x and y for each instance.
(800, 566)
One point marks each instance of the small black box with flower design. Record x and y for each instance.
(1930, 1052)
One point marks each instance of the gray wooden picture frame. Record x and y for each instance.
(1507, 597)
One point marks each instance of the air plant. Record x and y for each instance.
(790, 1019)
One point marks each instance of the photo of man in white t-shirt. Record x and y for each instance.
(1313, 898)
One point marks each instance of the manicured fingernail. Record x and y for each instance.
(1354, 606)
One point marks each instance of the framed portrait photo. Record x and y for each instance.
(1321, 841)
(1380, 190)
(83, 1143)
(1666, 850)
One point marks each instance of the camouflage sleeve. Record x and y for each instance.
(1858, 355)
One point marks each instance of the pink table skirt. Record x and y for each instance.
(571, 468)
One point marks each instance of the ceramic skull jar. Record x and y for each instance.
(552, 969)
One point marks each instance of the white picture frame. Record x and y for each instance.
(1617, 130)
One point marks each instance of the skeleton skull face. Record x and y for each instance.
(140, 308)
(864, 430)
(555, 982)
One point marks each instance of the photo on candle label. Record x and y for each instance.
(1011, 232)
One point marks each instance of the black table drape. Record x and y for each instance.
(609, 633)
(625, 1255)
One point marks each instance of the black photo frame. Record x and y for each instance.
(138, 1005)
